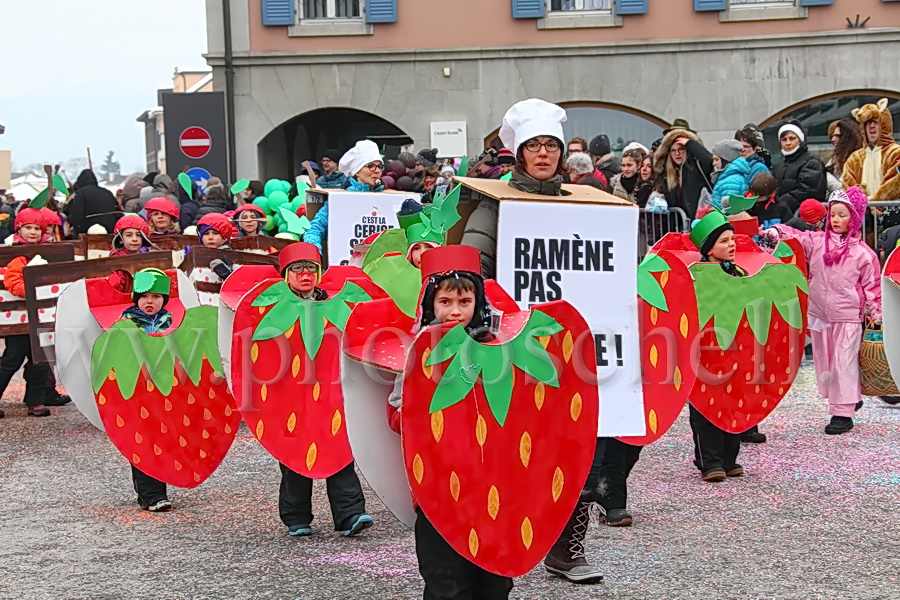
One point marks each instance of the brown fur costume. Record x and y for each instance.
(890, 153)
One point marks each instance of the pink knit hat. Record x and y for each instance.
(857, 202)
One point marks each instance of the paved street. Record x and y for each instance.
(814, 518)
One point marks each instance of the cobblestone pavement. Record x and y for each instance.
(813, 518)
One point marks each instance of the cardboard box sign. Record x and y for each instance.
(354, 216)
(580, 247)
(205, 280)
(45, 283)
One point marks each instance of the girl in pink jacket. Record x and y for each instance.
(843, 286)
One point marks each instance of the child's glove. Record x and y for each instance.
(220, 268)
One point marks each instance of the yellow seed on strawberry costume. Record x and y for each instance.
(290, 331)
(144, 413)
(527, 533)
(568, 346)
(205, 434)
(664, 279)
(150, 387)
(418, 468)
(426, 368)
(678, 379)
(262, 309)
(202, 454)
(654, 315)
(212, 394)
(317, 389)
(182, 442)
(683, 325)
(454, 485)
(197, 477)
(493, 502)
(264, 392)
(227, 428)
(336, 421)
(295, 365)
(167, 405)
(480, 430)
(292, 422)
(120, 421)
(157, 450)
(654, 355)
(207, 416)
(186, 421)
(178, 466)
(575, 407)
(191, 399)
(228, 411)
(765, 403)
(163, 429)
(260, 428)
(539, 393)
(101, 399)
(544, 340)
(174, 380)
(473, 543)
(135, 459)
(652, 420)
(558, 482)
(137, 438)
(525, 449)
(437, 425)
(311, 454)
(254, 352)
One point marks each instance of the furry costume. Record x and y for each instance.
(683, 185)
(890, 154)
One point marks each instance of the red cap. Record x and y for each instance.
(296, 252)
(163, 205)
(450, 258)
(812, 211)
(29, 216)
(220, 223)
(251, 207)
(132, 222)
(51, 217)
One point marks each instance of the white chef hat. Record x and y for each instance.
(531, 118)
(364, 152)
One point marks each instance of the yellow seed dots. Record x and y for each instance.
(101, 399)
(290, 331)
(182, 442)
(191, 399)
(654, 315)
(437, 425)
(167, 405)
(202, 454)
(568, 346)
(311, 454)
(493, 506)
(539, 393)
(654, 355)
(652, 421)
(135, 459)
(112, 375)
(683, 325)
(544, 340)
(260, 428)
(186, 421)
(525, 449)
(336, 421)
(317, 389)
(264, 392)
(426, 368)
(575, 407)
(120, 421)
(454, 486)
(295, 365)
(178, 466)
(418, 468)
(678, 379)
(150, 387)
(527, 533)
(473, 543)
(254, 352)
(664, 279)
(157, 450)
(137, 438)
(292, 422)
(558, 482)
(480, 430)
(207, 416)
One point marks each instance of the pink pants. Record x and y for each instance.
(836, 356)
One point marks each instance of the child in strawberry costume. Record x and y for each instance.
(249, 219)
(150, 293)
(29, 225)
(844, 279)
(301, 266)
(163, 216)
(131, 235)
(215, 231)
(715, 450)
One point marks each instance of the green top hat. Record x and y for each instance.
(706, 226)
(151, 281)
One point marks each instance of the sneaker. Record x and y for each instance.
(299, 530)
(753, 436)
(859, 405)
(735, 471)
(57, 399)
(38, 411)
(160, 506)
(358, 524)
(714, 475)
(617, 517)
(839, 425)
(892, 400)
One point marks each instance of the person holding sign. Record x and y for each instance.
(364, 166)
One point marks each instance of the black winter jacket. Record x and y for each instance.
(800, 176)
(211, 206)
(91, 204)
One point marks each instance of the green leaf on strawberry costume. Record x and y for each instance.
(647, 286)
(59, 184)
(125, 350)
(399, 278)
(389, 242)
(493, 363)
(726, 299)
(288, 308)
(463, 169)
(184, 180)
(40, 201)
(782, 250)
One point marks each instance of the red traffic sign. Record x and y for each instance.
(195, 142)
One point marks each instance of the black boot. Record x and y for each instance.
(839, 425)
(753, 436)
(566, 558)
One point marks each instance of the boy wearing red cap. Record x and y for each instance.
(163, 216)
(29, 226)
(131, 235)
(810, 217)
(301, 266)
(215, 231)
(249, 219)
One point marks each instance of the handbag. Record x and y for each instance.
(874, 372)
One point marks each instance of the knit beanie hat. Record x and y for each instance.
(812, 211)
(600, 145)
(505, 157)
(333, 154)
(728, 150)
(427, 157)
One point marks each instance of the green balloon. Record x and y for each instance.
(262, 202)
(276, 199)
(295, 204)
(282, 228)
(286, 186)
(270, 223)
(272, 185)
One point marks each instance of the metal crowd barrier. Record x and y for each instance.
(652, 226)
(874, 229)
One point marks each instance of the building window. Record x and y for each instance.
(762, 10)
(580, 5)
(330, 9)
(579, 14)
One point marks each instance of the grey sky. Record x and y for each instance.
(77, 73)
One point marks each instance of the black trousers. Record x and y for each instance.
(449, 576)
(18, 350)
(149, 490)
(344, 494)
(613, 462)
(713, 448)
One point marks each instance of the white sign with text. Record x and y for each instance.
(354, 216)
(449, 137)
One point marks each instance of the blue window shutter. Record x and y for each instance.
(709, 5)
(278, 12)
(528, 9)
(816, 2)
(381, 11)
(631, 7)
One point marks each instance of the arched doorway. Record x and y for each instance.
(622, 124)
(307, 136)
(817, 113)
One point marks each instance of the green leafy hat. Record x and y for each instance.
(713, 222)
(738, 204)
(151, 281)
(419, 232)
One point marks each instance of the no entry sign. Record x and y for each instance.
(195, 142)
